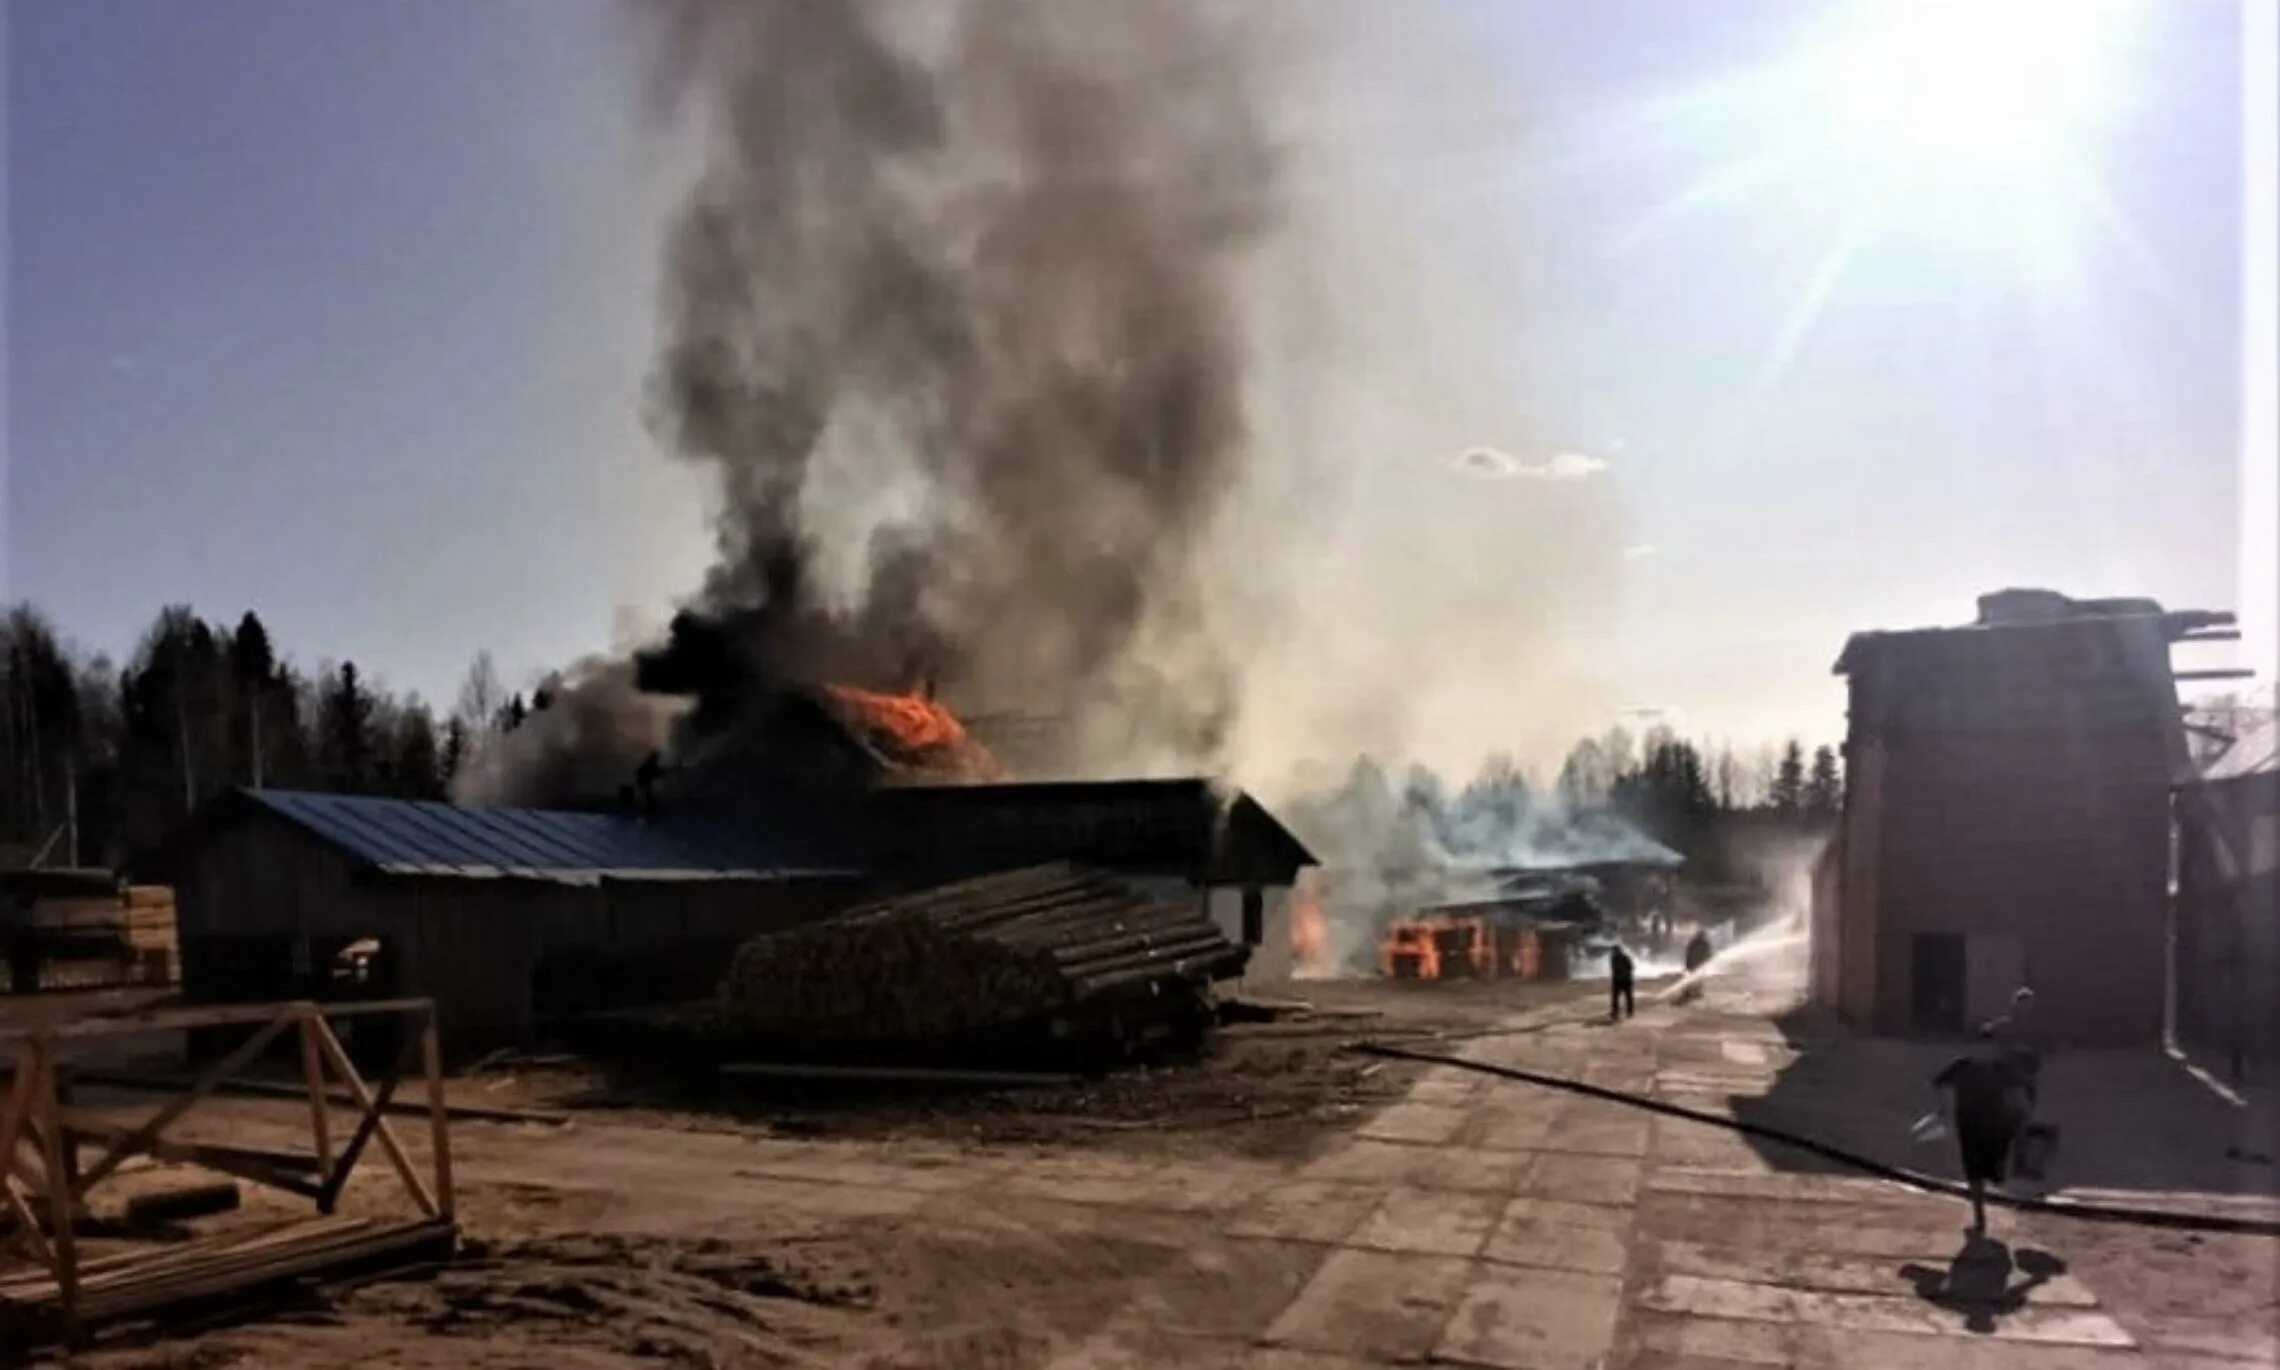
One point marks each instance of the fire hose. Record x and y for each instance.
(1933, 1184)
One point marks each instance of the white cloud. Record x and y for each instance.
(1494, 463)
(1568, 466)
(1639, 551)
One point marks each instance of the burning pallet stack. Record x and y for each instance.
(1053, 954)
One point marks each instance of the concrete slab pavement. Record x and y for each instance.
(1518, 1227)
(1483, 1222)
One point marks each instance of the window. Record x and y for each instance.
(1254, 916)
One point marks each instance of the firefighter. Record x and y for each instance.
(1621, 1001)
(1697, 951)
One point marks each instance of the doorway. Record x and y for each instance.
(1936, 982)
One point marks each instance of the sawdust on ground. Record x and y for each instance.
(673, 1262)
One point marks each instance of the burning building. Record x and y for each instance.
(1493, 880)
(515, 919)
(1526, 928)
(2007, 819)
(951, 323)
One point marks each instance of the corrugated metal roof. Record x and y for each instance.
(418, 837)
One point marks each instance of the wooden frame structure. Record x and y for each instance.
(45, 1178)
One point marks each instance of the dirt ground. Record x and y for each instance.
(772, 1225)
(1266, 1090)
(1280, 1203)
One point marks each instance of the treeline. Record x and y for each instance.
(1669, 784)
(1707, 804)
(99, 760)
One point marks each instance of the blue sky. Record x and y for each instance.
(341, 311)
(334, 310)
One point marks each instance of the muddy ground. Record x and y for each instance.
(775, 1225)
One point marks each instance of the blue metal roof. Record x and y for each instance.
(418, 837)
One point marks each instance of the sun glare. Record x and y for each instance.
(1966, 140)
(1970, 87)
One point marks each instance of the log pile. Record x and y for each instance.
(1055, 947)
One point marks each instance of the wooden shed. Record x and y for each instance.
(507, 918)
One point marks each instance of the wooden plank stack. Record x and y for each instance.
(84, 938)
(142, 1282)
(1057, 947)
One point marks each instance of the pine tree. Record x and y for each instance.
(253, 681)
(1824, 790)
(1788, 794)
(344, 732)
(41, 730)
(454, 754)
(416, 764)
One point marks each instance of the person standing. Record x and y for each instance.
(1983, 1103)
(1621, 1001)
(1697, 956)
(1697, 951)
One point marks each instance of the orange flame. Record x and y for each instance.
(1309, 929)
(1436, 946)
(1409, 951)
(914, 731)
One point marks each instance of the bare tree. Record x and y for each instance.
(480, 694)
(1727, 779)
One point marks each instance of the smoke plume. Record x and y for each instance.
(1389, 851)
(1112, 363)
(948, 317)
(948, 321)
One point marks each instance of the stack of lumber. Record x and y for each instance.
(1054, 945)
(89, 932)
(141, 1282)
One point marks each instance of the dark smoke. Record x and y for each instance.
(949, 317)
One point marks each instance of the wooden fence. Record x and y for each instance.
(54, 1154)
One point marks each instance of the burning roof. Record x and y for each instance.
(910, 734)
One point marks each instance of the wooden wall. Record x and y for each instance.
(263, 905)
(2047, 851)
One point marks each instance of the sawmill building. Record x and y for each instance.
(506, 917)
(512, 919)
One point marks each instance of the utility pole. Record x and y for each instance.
(71, 806)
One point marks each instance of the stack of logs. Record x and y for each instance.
(1057, 947)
